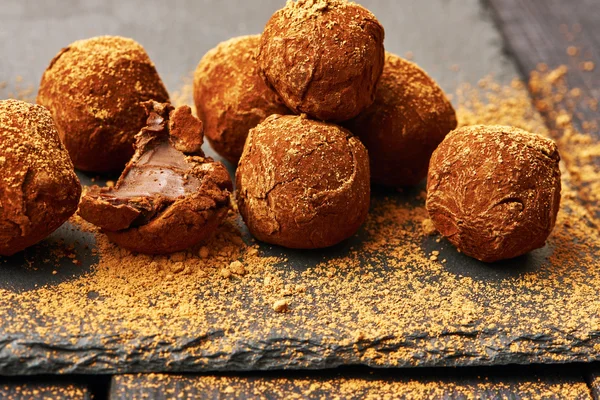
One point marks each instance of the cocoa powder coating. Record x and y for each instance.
(93, 89)
(494, 191)
(38, 187)
(230, 96)
(170, 197)
(323, 57)
(410, 117)
(302, 183)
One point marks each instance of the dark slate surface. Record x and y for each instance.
(358, 384)
(442, 34)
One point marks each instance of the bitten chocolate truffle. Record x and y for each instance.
(170, 197)
(231, 98)
(494, 191)
(38, 186)
(301, 183)
(93, 89)
(323, 57)
(408, 120)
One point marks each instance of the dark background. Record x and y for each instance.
(443, 35)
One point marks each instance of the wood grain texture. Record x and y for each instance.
(548, 34)
(374, 385)
(593, 380)
(541, 31)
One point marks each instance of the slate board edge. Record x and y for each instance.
(21, 357)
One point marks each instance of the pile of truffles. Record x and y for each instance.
(312, 112)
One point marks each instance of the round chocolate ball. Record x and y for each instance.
(38, 187)
(93, 89)
(302, 183)
(324, 58)
(494, 191)
(231, 98)
(410, 117)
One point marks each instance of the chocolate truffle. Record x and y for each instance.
(408, 120)
(38, 186)
(301, 183)
(93, 89)
(231, 98)
(494, 191)
(323, 57)
(170, 197)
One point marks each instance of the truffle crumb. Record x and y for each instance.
(281, 305)
(38, 187)
(409, 118)
(94, 89)
(204, 252)
(231, 97)
(428, 227)
(225, 273)
(237, 268)
(508, 206)
(302, 183)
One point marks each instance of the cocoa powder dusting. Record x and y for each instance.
(391, 283)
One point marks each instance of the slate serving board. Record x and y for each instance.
(439, 33)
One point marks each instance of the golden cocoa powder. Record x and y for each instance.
(382, 284)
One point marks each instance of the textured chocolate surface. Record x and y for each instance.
(302, 183)
(494, 191)
(38, 186)
(93, 89)
(324, 58)
(230, 96)
(165, 200)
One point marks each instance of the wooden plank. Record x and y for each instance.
(541, 31)
(350, 386)
(43, 388)
(555, 33)
(594, 382)
(548, 34)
